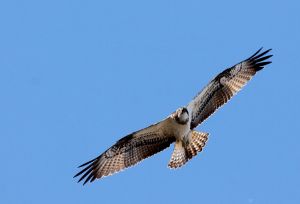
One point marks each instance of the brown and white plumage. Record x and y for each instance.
(127, 152)
(178, 127)
(224, 86)
(185, 151)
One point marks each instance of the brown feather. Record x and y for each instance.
(127, 152)
(225, 85)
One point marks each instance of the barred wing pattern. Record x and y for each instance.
(224, 86)
(127, 152)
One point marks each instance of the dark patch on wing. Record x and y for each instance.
(225, 85)
(125, 153)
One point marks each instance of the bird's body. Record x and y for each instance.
(178, 127)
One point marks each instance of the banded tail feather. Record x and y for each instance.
(182, 153)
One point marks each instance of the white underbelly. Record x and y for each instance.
(177, 130)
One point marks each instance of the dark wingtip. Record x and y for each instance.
(89, 179)
(255, 53)
(258, 53)
(258, 59)
(86, 163)
(87, 171)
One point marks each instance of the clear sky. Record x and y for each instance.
(76, 76)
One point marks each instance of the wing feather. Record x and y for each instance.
(225, 85)
(127, 152)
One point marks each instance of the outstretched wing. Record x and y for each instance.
(224, 86)
(126, 152)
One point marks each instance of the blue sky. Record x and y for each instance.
(75, 76)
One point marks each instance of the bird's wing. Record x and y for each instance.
(126, 152)
(224, 86)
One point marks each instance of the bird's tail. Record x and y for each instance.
(182, 153)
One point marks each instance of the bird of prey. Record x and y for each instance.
(179, 127)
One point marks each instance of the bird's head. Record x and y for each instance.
(181, 115)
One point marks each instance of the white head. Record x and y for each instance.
(181, 115)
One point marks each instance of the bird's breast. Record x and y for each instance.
(175, 129)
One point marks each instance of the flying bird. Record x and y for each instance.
(179, 127)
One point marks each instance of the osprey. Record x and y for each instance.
(178, 127)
